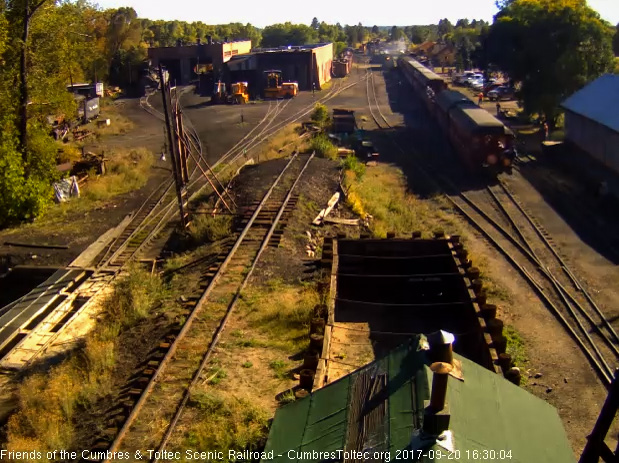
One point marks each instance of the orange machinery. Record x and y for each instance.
(275, 88)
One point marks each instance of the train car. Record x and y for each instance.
(479, 138)
(426, 83)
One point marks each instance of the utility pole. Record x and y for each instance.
(178, 152)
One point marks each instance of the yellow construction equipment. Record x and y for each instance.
(240, 93)
(275, 88)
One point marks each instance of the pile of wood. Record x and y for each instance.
(79, 135)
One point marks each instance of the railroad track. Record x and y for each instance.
(532, 252)
(168, 379)
(497, 214)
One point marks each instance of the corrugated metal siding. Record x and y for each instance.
(599, 141)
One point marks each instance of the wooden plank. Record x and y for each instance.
(341, 221)
(330, 205)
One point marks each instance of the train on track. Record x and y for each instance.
(480, 139)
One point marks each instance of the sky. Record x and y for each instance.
(369, 12)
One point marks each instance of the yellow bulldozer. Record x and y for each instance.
(275, 88)
(239, 93)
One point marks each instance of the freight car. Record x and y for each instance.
(426, 83)
(341, 67)
(478, 137)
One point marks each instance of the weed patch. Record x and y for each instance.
(516, 347)
(206, 228)
(225, 423)
(280, 314)
(126, 171)
(279, 367)
(381, 192)
(323, 146)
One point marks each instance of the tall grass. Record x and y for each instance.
(323, 146)
(49, 403)
(127, 170)
(205, 228)
(225, 423)
(281, 312)
(382, 193)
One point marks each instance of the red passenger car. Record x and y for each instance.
(480, 139)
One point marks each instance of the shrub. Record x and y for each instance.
(320, 115)
(352, 163)
(205, 228)
(323, 146)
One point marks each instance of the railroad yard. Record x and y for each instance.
(231, 307)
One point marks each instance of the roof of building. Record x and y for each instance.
(597, 101)
(425, 46)
(292, 48)
(380, 407)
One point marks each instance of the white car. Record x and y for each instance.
(474, 78)
(477, 84)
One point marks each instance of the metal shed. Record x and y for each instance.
(381, 408)
(592, 120)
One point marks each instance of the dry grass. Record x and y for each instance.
(229, 411)
(119, 124)
(48, 403)
(127, 170)
(287, 140)
(205, 228)
(224, 423)
(279, 314)
(382, 193)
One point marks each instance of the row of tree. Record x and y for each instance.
(552, 47)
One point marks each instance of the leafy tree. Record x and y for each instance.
(375, 30)
(444, 27)
(552, 47)
(462, 23)
(315, 24)
(288, 34)
(419, 34)
(616, 41)
(396, 33)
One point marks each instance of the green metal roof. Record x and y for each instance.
(380, 407)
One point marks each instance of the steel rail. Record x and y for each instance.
(224, 321)
(188, 323)
(600, 366)
(579, 285)
(561, 290)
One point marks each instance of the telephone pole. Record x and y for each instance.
(178, 151)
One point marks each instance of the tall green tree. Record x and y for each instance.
(396, 34)
(288, 34)
(616, 41)
(552, 47)
(315, 24)
(444, 27)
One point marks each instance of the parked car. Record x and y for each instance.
(474, 78)
(461, 79)
(477, 84)
(491, 86)
(501, 93)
